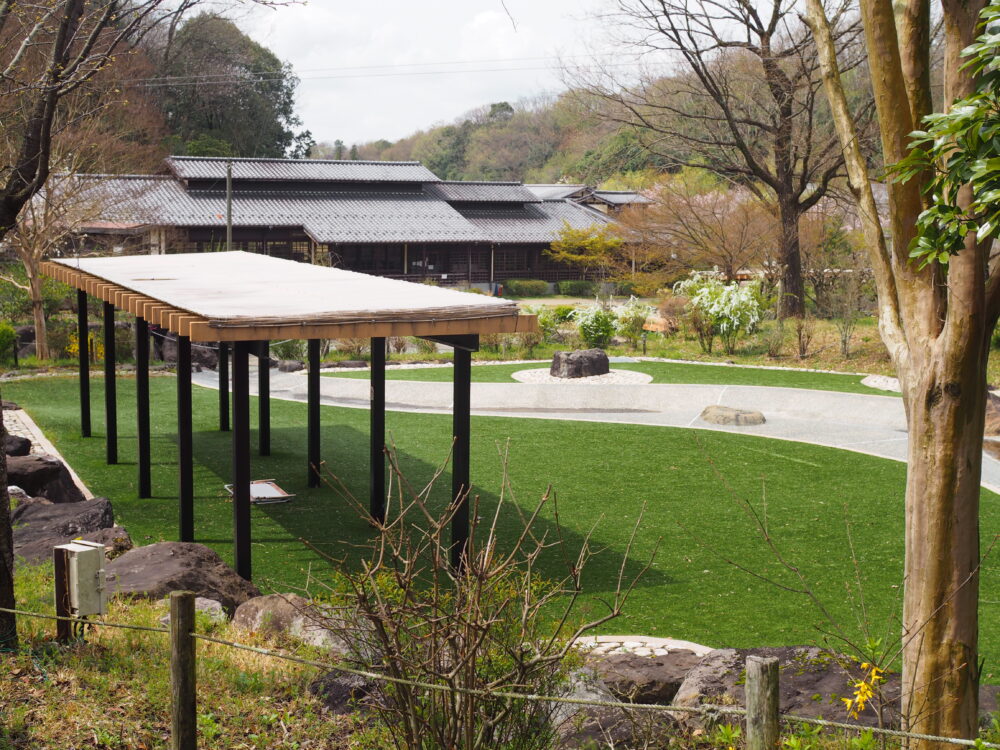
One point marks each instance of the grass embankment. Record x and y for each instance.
(662, 372)
(112, 690)
(692, 482)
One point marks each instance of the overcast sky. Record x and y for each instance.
(358, 61)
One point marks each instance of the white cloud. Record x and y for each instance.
(344, 55)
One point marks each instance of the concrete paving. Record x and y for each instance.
(875, 425)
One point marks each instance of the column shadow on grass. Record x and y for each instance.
(328, 522)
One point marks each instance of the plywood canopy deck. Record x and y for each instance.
(251, 299)
(240, 296)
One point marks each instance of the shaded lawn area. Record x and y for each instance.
(691, 481)
(662, 372)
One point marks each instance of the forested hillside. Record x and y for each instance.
(534, 140)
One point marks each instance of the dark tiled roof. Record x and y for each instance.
(309, 170)
(355, 216)
(337, 216)
(535, 222)
(482, 192)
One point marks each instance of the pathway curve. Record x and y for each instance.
(870, 424)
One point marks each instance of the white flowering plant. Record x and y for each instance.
(715, 308)
(630, 320)
(596, 324)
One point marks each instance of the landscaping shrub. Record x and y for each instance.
(355, 348)
(718, 309)
(548, 323)
(630, 320)
(577, 288)
(596, 324)
(424, 346)
(411, 615)
(8, 340)
(563, 313)
(290, 349)
(60, 330)
(526, 287)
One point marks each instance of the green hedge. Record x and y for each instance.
(577, 288)
(526, 287)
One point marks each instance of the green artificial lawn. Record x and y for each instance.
(662, 372)
(693, 484)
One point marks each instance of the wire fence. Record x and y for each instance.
(185, 607)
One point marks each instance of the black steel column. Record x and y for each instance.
(312, 413)
(461, 427)
(224, 386)
(83, 339)
(142, 405)
(264, 398)
(185, 452)
(110, 385)
(376, 485)
(241, 457)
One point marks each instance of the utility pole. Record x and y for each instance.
(229, 206)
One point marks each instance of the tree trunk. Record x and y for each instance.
(38, 312)
(792, 301)
(946, 411)
(8, 624)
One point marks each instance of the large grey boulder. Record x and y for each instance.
(155, 570)
(580, 364)
(38, 526)
(580, 725)
(289, 365)
(15, 445)
(728, 415)
(210, 608)
(291, 615)
(812, 682)
(644, 679)
(45, 476)
(165, 349)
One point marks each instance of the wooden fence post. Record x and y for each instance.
(762, 703)
(183, 704)
(64, 628)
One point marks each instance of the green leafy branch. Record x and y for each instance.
(958, 148)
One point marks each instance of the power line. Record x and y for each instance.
(553, 58)
(264, 78)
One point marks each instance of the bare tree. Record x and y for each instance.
(746, 103)
(50, 51)
(698, 227)
(936, 321)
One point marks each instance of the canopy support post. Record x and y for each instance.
(241, 457)
(312, 413)
(83, 340)
(185, 452)
(223, 386)
(110, 386)
(376, 485)
(264, 398)
(142, 405)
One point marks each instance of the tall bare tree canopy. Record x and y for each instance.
(734, 87)
(936, 320)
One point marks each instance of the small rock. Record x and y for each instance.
(292, 615)
(580, 364)
(209, 607)
(16, 445)
(157, 569)
(728, 415)
(43, 476)
(290, 365)
(342, 693)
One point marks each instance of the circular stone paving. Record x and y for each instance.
(615, 377)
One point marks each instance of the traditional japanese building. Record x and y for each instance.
(393, 219)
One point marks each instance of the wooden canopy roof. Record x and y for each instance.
(239, 296)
